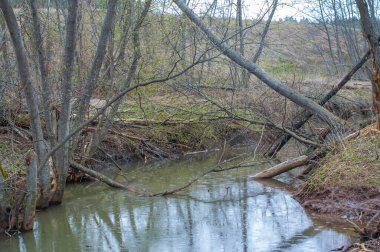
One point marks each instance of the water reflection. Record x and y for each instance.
(222, 212)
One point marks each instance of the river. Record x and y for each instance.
(224, 211)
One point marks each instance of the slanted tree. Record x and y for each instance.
(260, 73)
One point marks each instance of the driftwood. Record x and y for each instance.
(282, 167)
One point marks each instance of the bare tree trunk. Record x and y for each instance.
(265, 32)
(337, 38)
(276, 85)
(6, 63)
(114, 99)
(26, 80)
(93, 75)
(263, 37)
(107, 123)
(372, 7)
(82, 55)
(373, 38)
(239, 19)
(44, 172)
(239, 16)
(126, 26)
(324, 23)
(62, 156)
(97, 62)
(31, 192)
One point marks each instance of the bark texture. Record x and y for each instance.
(31, 192)
(372, 35)
(62, 156)
(44, 172)
(26, 81)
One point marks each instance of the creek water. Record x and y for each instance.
(224, 211)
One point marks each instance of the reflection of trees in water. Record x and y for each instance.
(298, 238)
(235, 215)
(243, 194)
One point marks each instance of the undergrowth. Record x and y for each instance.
(12, 155)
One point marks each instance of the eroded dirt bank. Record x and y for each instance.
(347, 188)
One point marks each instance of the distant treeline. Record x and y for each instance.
(353, 21)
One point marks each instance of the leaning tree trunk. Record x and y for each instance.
(271, 82)
(373, 38)
(62, 156)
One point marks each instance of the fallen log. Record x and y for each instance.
(282, 167)
(97, 175)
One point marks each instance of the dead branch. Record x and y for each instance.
(212, 170)
(299, 124)
(101, 177)
(110, 157)
(101, 111)
(97, 175)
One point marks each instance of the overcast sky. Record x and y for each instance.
(253, 8)
(296, 9)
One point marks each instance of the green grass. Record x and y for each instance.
(357, 164)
